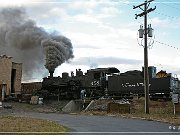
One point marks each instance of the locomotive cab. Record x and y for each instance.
(97, 80)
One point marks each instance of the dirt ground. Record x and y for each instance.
(159, 110)
(47, 107)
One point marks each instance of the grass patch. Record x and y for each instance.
(47, 107)
(158, 110)
(25, 124)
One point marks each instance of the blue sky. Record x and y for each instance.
(104, 32)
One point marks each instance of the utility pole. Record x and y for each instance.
(145, 32)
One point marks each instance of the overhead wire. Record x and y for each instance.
(168, 5)
(172, 17)
(172, 6)
(166, 44)
(159, 13)
(172, 2)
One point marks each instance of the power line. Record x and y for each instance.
(172, 17)
(156, 12)
(137, 2)
(159, 13)
(173, 2)
(168, 1)
(166, 44)
(171, 5)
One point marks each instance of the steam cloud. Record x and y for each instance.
(58, 50)
(24, 41)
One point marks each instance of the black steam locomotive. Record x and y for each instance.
(109, 82)
(69, 87)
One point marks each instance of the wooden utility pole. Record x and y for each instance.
(146, 75)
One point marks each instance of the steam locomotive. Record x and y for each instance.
(109, 82)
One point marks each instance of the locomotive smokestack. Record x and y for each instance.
(51, 74)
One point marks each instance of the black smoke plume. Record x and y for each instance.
(22, 39)
(58, 50)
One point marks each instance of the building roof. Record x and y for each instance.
(5, 56)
